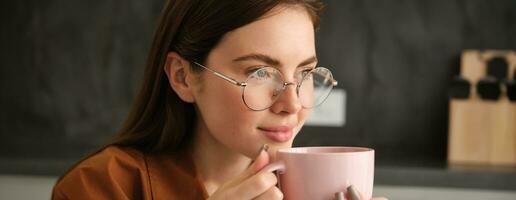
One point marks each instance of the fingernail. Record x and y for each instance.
(339, 196)
(265, 147)
(353, 193)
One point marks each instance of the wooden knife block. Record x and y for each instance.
(480, 131)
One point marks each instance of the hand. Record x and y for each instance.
(354, 194)
(251, 184)
(379, 198)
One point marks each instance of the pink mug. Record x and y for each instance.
(317, 173)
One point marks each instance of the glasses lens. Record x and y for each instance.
(316, 86)
(264, 86)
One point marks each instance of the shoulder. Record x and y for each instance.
(111, 160)
(113, 157)
(111, 173)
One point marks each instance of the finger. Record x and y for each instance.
(256, 185)
(353, 193)
(379, 198)
(339, 196)
(261, 160)
(271, 194)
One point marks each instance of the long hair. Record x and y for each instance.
(159, 120)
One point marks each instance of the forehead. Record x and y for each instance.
(285, 33)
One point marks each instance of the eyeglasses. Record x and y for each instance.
(265, 85)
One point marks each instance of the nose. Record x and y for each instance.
(288, 102)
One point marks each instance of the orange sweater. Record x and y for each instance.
(125, 173)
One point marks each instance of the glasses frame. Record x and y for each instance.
(285, 84)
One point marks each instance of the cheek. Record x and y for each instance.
(224, 112)
(303, 114)
(222, 102)
(301, 118)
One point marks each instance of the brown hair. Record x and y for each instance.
(159, 120)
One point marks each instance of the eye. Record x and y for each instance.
(252, 70)
(261, 73)
(306, 72)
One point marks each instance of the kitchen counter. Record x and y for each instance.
(16, 187)
(423, 175)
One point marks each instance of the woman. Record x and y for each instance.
(223, 78)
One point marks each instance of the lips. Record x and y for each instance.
(277, 133)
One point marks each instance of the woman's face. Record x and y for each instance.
(283, 39)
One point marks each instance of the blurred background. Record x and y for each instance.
(70, 69)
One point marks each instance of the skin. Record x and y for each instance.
(228, 135)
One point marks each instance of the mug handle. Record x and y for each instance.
(278, 166)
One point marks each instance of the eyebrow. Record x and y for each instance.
(270, 60)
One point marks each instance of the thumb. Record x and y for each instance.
(261, 160)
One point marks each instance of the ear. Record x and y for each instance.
(179, 76)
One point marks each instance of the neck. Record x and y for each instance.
(216, 164)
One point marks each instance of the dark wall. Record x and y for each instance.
(395, 58)
(69, 70)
